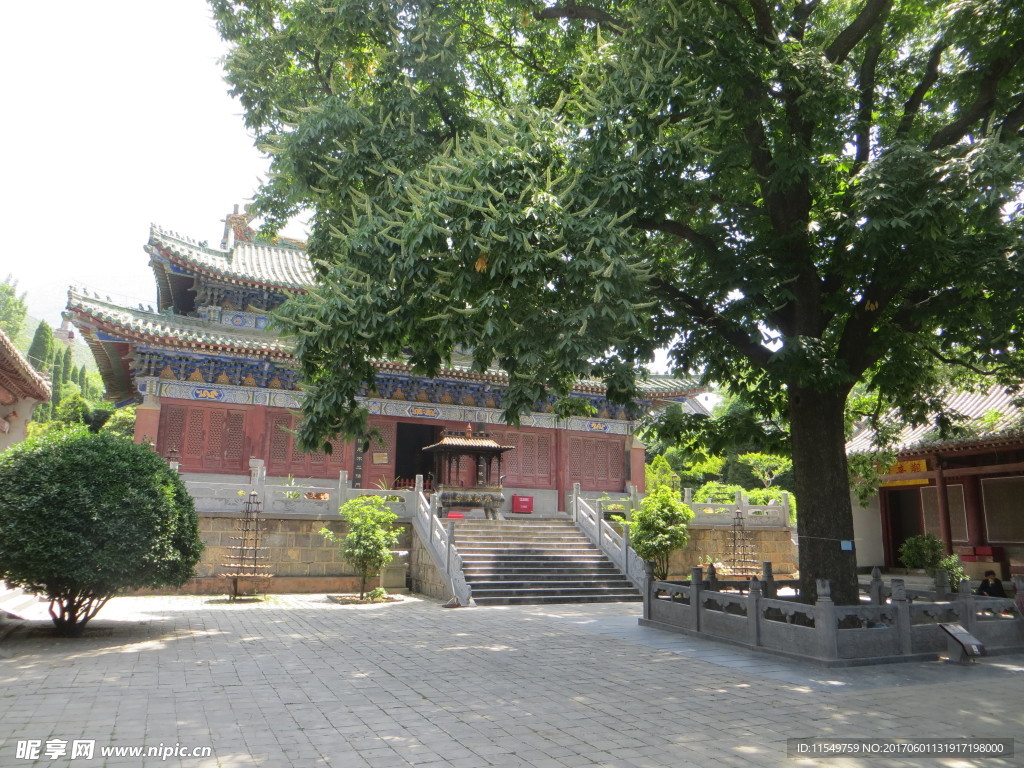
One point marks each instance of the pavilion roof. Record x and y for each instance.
(991, 417)
(251, 263)
(468, 444)
(17, 376)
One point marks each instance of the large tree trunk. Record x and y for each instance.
(825, 514)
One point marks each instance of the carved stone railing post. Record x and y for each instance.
(968, 611)
(648, 589)
(941, 584)
(575, 501)
(696, 587)
(825, 623)
(754, 613)
(687, 495)
(876, 585)
(342, 487)
(902, 608)
(768, 579)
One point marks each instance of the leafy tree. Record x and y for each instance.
(791, 197)
(658, 473)
(370, 538)
(714, 492)
(122, 422)
(40, 352)
(766, 467)
(84, 516)
(13, 310)
(658, 528)
(66, 366)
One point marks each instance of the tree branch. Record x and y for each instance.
(572, 11)
(913, 105)
(763, 20)
(866, 86)
(987, 92)
(730, 332)
(1013, 122)
(964, 364)
(857, 31)
(801, 14)
(680, 229)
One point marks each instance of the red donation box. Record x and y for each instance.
(522, 504)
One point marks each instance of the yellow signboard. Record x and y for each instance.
(906, 468)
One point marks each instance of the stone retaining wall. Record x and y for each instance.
(771, 544)
(302, 560)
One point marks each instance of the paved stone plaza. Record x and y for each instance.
(302, 681)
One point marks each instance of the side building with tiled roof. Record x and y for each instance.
(216, 387)
(22, 388)
(965, 489)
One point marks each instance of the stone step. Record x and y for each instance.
(525, 550)
(519, 557)
(580, 572)
(532, 599)
(532, 562)
(18, 603)
(560, 586)
(501, 541)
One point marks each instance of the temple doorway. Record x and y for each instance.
(905, 518)
(410, 440)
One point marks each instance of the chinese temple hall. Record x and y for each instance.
(215, 387)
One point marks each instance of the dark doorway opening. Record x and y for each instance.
(410, 460)
(904, 518)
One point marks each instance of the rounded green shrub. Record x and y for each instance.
(923, 551)
(85, 515)
(658, 528)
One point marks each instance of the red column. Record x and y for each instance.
(975, 509)
(147, 423)
(945, 529)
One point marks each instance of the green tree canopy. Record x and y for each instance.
(84, 516)
(370, 538)
(790, 197)
(40, 351)
(13, 310)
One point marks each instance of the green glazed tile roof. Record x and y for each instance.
(173, 330)
(253, 263)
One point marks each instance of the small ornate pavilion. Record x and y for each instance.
(216, 386)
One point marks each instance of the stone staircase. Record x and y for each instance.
(512, 562)
(18, 603)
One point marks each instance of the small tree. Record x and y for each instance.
(765, 466)
(658, 528)
(84, 516)
(659, 473)
(13, 310)
(370, 538)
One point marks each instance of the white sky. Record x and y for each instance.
(115, 115)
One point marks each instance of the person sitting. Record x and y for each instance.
(991, 586)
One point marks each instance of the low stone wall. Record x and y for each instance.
(302, 560)
(774, 545)
(424, 577)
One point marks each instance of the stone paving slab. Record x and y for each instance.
(298, 681)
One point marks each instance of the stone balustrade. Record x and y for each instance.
(896, 625)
